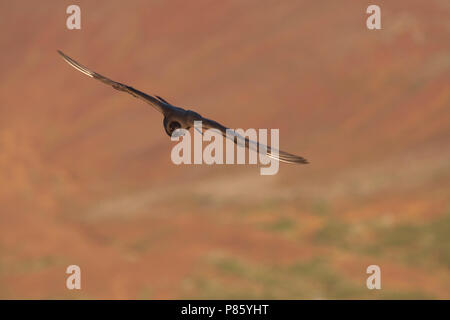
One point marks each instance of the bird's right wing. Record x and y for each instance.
(159, 104)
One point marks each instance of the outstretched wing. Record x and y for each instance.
(258, 147)
(159, 104)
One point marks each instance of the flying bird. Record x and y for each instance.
(179, 118)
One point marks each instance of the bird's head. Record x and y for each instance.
(171, 126)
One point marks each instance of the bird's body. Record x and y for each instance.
(179, 118)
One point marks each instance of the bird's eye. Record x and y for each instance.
(174, 125)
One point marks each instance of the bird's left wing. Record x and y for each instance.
(250, 144)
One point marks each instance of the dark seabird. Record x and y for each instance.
(179, 118)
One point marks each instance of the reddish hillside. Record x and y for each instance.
(86, 176)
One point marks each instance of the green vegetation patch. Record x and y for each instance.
(426, 245)
(226, 277)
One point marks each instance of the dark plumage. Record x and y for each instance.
(179, 118)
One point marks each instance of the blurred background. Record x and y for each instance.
(86, 176)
